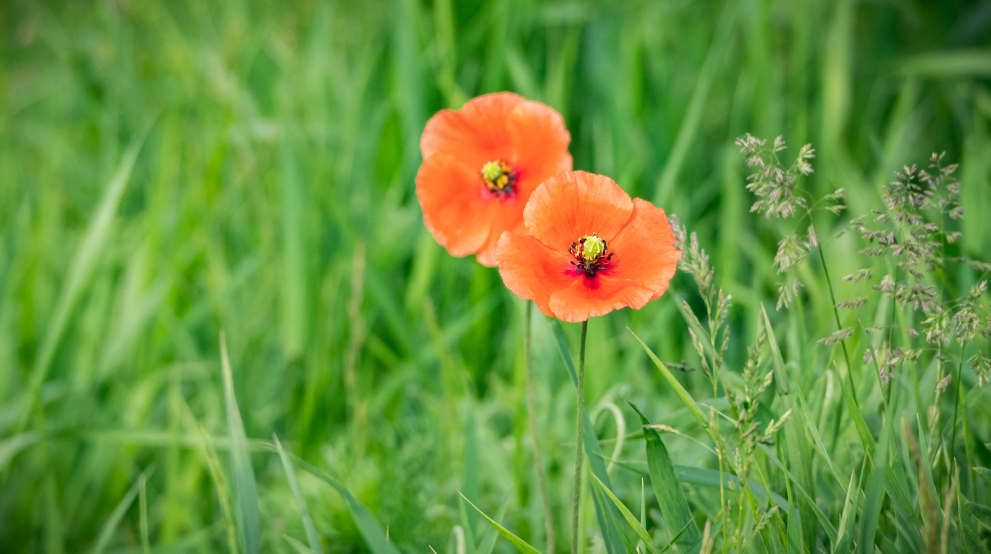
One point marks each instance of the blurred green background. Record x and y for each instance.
(173, 170)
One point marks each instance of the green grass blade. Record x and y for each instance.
(143, 517)
(875, 492)
(693, 114)
(107, 531)
(10, 446)
(487, 545)
(810, 502)
(311, 532)
(843, 537)
(666, 486)
(293, 294)
(683, 394)
(605, 515)
(368, 526)
(520, 544)
(631, 519)
(245, 489)
(297, 546)
(470, 484)
(795, 443)
(710, 478)
(92, 245)
(949, 64)
(207, 447)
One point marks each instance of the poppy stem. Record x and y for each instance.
(576, 505)
(531, 416)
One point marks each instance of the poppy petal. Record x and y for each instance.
(455, 208)
(532, 270)
(585, 298)
(506, 216)
(576, 203)
(644, 250)
(540, 140)
(476, 132)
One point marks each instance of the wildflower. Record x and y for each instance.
(480, 165)
(590, 249)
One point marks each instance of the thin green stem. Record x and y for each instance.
(865, 439)
(532, 417)
(577, 497)
(956, 402)
(839, 325)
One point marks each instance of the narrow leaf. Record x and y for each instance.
(631, 519)
(686, 398)
(666, 486)
(368, 526)
(107, 531)
(245, 489)
(519, 543)
(304, 514)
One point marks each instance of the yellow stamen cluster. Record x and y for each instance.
(498, 176)
(591, 255)
(592, 247)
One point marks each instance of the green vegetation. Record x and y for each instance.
(177, 176)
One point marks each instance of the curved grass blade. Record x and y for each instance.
(875, 493)
(368, 526)
(107, 531)
(487, 546)
(666, 486)
(87, 254)
(710, 478)
(843, 539)
(683, 394)
(803, 494)
(304, 514)
(297, 546)
(519, 543)
(208, 449)
(848, 394)
(631, 519)
(245, 489)
(10, 446)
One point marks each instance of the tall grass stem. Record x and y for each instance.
(846, 353)
(538, 459)
(957, 399)
(839, 325)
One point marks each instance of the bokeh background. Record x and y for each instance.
(173, 170)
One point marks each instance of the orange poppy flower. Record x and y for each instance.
(480, 165)
(590, 249)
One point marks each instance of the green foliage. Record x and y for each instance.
(171, 170)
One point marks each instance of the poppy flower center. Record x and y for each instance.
(591, 255)
(499, 177)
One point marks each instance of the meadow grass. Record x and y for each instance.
(223, 326)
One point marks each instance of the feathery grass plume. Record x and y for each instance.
(740, 431)
(779, 196)
(914, 231)
(711, 343)
(915, 240)
(695, 262)
(773, 184)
